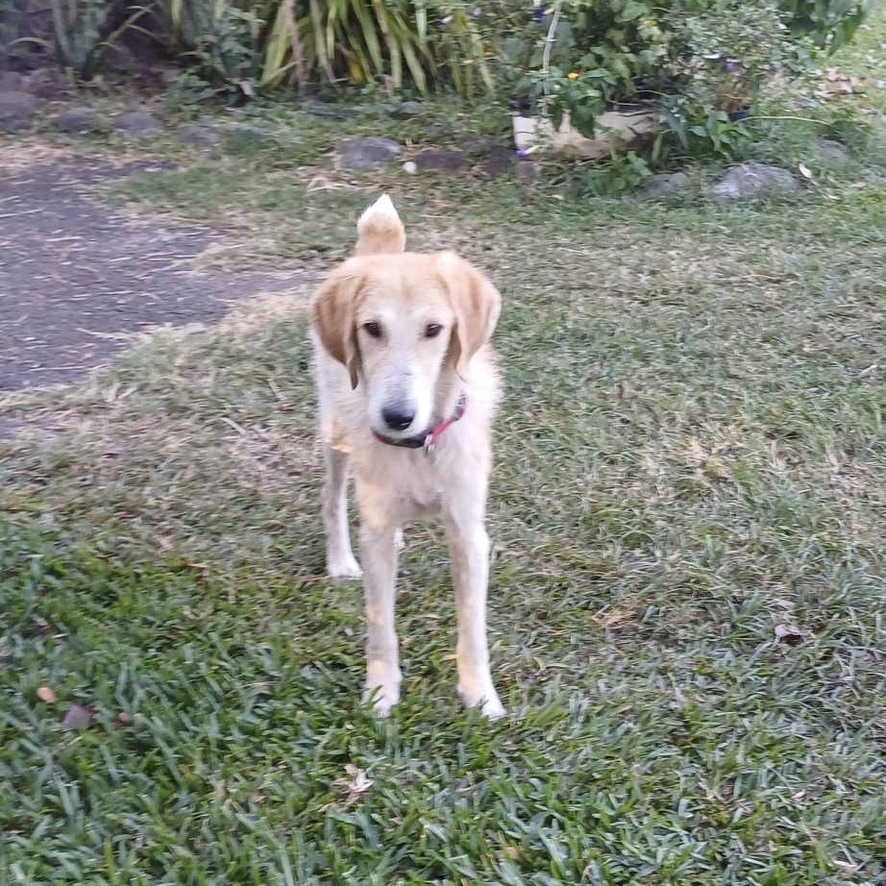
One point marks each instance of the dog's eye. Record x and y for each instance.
(432, 330)
(372, 329)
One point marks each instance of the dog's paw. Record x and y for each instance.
(344, 568)
(381, 688)
(492, 708)
(381, 698)
(487, 700)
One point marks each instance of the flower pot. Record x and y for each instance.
(614, 129)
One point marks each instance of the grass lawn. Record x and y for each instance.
(688, 599)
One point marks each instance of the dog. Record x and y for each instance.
(407, 387)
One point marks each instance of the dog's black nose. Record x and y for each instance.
(397, 418)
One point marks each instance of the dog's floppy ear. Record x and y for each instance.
(333, 308)
(476, 303)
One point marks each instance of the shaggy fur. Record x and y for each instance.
(399, 338)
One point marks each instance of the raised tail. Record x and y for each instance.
(380, 230)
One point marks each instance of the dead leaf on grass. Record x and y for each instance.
(44, 693)
(354, 784)
(615, 616)
(788, 634)
(78, 717)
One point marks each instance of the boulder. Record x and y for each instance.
(137, 123)
(754, 180)
(662, 185)
(436, 160)
(16, 110)
(367, 153)
(77, 120)
(195, 134)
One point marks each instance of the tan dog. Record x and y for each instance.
(407, 389)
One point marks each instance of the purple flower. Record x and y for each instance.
(538, 13)
(733, 66)
(475, 12)
(522, 153)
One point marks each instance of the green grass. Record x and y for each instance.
(690, 455)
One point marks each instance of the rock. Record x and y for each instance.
(367, 153)
(48, 83)
(409, 167)
(247, 130)
(832, 151)
(10, 81)
(500, 161)
(527, 172)
(77, 120)
(754, 180)
(480, 147)
(434, 160)
(662, 184)
(408, 109)
(16, 110)
(137, 123)
(333, 111)
(195, 134)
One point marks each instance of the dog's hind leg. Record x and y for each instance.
(340, 560)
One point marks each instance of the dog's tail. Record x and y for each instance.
(380, 230)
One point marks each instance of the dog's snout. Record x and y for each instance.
(398, 418)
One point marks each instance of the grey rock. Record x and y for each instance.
(247, 130)
(367, 153)
(434, 160)
(832, 151)
(334, 111)
(77, 120)
(480, 147)
(195, 134)
(137, 123)
(754, 180)
(48, 83)
(408, 109)
(10, 81)
(500, 161)
(662, 184)
(527, 172)
(16, 110)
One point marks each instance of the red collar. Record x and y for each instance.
(428, 440)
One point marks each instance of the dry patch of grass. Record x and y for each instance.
(687, 592)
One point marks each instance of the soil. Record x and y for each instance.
(77, 275)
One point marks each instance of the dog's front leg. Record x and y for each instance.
(340, 562)
(378, 552)
(469, 551)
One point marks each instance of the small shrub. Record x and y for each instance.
(701, 62)
(226, 57)
(830, 24)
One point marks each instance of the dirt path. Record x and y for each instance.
(74, 274)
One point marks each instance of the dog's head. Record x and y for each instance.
(399, 321)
